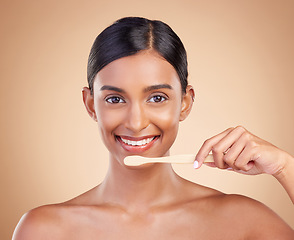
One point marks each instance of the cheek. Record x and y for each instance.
(107, 120)
(167, 118)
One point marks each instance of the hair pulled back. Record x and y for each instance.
(130, 35)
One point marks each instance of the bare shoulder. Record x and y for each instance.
(233, 216)
(251, 216)
(57, 221)
(39, 223)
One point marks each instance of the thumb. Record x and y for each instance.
(208, 160)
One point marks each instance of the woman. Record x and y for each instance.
(138, 93)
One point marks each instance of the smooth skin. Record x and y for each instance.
(139, 98)
(239, 150)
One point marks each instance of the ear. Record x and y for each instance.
(187, 102)
(88, 99)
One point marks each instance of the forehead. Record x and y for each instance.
(145, 68)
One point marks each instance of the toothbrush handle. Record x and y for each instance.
(180, 159)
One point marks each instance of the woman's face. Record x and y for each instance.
(138, 103)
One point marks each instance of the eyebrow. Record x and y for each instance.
(112, 88)
(159, 86)
(147, 89)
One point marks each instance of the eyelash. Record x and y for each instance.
(153, 99)
(162, 98)
(111, 98)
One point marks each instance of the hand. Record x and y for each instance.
(239, 150)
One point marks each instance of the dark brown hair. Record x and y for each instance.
(130, 35)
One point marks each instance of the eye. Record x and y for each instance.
(114, 100)
(157, 99)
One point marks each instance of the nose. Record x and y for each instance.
(136, 119)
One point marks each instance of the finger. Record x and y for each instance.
(244, 160)
(207, 145)
(235, 150)
(218, 159)
(221, 149)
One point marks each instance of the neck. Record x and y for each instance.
(138, 187)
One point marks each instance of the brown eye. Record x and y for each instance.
(157, 99)
(114, 100)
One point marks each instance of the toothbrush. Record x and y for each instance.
(136, 160)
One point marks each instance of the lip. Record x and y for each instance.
(136, 149)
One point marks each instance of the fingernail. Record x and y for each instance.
(196, 164)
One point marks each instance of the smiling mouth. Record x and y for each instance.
(136, 144)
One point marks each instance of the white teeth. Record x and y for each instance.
(137, 143)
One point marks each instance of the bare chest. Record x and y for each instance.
(175, 225)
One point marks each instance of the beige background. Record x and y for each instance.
(240, 62)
